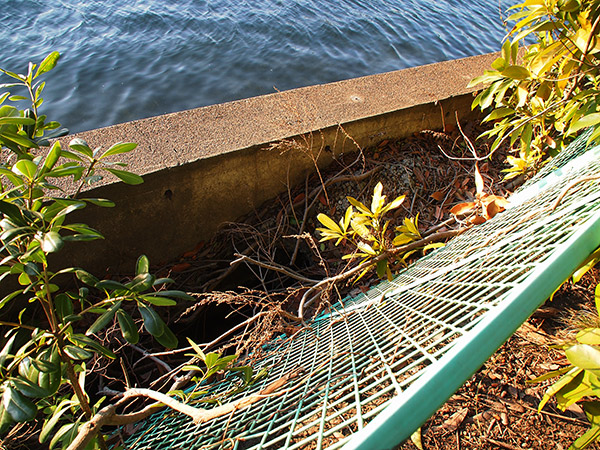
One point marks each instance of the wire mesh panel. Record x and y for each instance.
(354, 362)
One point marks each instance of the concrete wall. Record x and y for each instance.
(209, 165)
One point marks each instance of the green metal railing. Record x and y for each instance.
(378, 365)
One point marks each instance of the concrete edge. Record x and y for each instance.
(210, 165)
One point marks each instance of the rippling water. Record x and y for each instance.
(131, 59)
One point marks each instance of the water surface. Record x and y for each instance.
(131, 59)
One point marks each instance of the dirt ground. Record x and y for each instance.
(497, 407)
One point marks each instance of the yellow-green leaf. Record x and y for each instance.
(516, 72)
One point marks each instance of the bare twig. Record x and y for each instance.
(571, 186)
(158, 361)
(276, 267)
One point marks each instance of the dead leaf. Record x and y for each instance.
(453, 422)
(438, 196)
(322, 200)
(180, 267)
(298, 198)
(477, 220)
(483, 416)
(577, 410)
(462, 208)
(419, 175)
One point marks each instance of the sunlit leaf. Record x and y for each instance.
(51, 242)
(142, 265)
(584, 356)
(47, 64)
(77, 353)
(79, 145)
(121, 147)
(126, 177)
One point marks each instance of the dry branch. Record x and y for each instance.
(108, 415)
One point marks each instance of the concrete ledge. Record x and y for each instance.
(210, 165)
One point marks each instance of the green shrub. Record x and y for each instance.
(43, 362)
(541, 97)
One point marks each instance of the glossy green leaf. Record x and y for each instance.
(100, 202)
(47, 64)
(51, 242)
(89, 343)
(128, 328)
(66, 210)
(49, 380)
(86, 277)
(104, 319)
(65, 434)
(152, 321)
(142, 265)
(25, 168)
(50, 423)
(44, 363)
(159, 301)
(5, 352)
(52, 157)
(121, 147)
(17, 405)
(29, 388)
(77, 353)
(5, 420)
(17, 139)
(63, 306)
(6, 299)
(141, 282)
(110, 285)
(167, 339)
(126, 177)
(16, 121)
(79, 145)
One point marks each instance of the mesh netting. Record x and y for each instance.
(353, 362)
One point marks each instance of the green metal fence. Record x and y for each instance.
(378, 365)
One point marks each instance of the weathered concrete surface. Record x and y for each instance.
(205, 166)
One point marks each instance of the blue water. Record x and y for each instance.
(125, 60)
